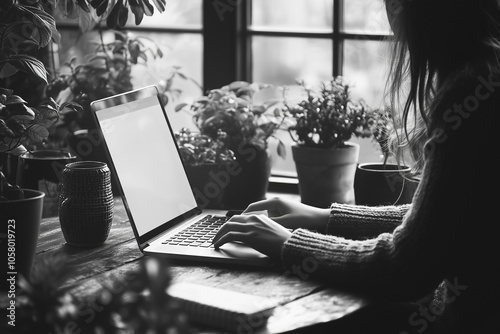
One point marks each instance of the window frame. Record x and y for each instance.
(237, 47)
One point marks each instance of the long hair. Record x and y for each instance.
(432, 39)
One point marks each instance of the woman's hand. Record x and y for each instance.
(292, 214)
(257, 231)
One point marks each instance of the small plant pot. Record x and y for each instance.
(326, 176)
(249, 178)
(379, 184)
(20, 227)
(209, 182)
(41, 170)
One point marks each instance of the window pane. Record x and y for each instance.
(184, 50)
(282, 60)
(366, 67)
(365, 16)
(292, 15)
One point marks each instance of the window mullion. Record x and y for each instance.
(338, 43)
(244, 40)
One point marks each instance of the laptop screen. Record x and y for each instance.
(146, 161)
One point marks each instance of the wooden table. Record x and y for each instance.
(302, 301)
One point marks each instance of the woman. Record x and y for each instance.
(443, 244)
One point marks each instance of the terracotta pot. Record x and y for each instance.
(20, 227)
(326, 175)
(379, 184)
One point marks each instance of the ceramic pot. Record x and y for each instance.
(326, 175)
(86, 203)
(249, 178)
(209, 182)
(41, 170)
(20, 227)
(379, 184)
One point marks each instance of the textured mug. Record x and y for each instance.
(86, 203)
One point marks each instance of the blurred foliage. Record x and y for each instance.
(135, 303)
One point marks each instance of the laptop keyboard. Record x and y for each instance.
(199, 234)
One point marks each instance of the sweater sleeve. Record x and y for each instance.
(363, 222)
(445, 233)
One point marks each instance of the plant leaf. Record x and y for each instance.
(180, 106)
(37, 132)
(68, 8)
(47, 115)
(281, 149)
(147, 7)
(137, 10)
(24, 63)
(85, 20)
(83, 5)
(7, 70)
(5, 131)
(160, 5)
(122, 15)
(42, 24)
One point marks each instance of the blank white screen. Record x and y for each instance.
(147, 163)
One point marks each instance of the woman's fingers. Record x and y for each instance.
(227, 227)
(256, 231)
(272, 206)
(230, 236)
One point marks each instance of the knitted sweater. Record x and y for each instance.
(445, 241)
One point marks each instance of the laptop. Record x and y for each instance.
(154, 186)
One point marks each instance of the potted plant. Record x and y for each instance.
(208, 164)
(383, 183)
(323, 123)
(230, 116)
(21, 209)
(106, 73)
(25, 28)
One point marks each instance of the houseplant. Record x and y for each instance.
(107, 72)
(230, 115)
(383, 183)
(21, 209)
(323, 123)
(208, 164)
(25, 27)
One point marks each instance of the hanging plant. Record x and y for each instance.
(114, 12)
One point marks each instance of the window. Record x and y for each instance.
(273, 41)
(313, 41)
(177, 32)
